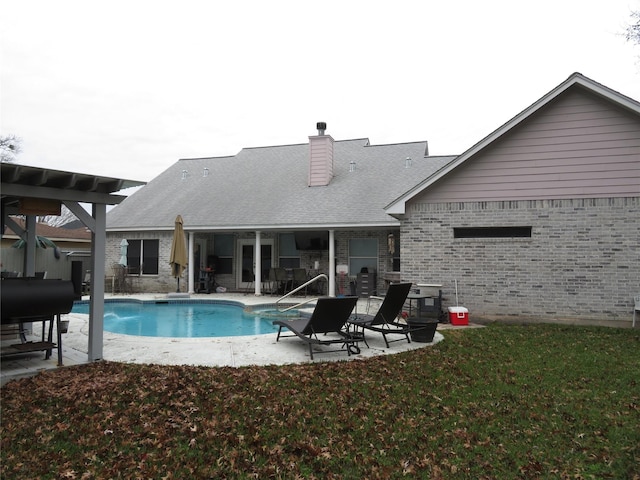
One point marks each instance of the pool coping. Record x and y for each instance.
(240, 351)
(207, 301)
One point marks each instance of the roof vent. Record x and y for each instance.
(321, 126)
(407, 162)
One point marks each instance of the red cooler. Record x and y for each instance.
(458, 316)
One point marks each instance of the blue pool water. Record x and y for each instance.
(190, 320)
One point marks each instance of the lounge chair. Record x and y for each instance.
(385, 321)
(328, 320)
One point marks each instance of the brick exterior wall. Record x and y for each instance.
(161, 283)
(164, 282)
(582, 262)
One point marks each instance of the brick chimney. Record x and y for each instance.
(320, 157)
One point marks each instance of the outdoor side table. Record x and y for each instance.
(415, 297)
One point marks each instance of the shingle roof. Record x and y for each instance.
(52, 233)
(266, 188)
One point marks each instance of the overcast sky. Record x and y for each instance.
(126, 88)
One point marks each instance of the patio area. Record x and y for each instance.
(221, 351)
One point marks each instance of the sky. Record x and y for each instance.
(126, 88)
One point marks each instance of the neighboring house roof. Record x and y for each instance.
(53, 233)
(267, 188)
(575, 81)
(72, 225)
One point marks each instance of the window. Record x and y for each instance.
(288, 255)
(363, 253)
(492, 232)
(223, 250)
(142, 257)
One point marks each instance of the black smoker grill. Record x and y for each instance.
(26, 300)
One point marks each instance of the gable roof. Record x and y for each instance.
(266, 188)
(576, 80)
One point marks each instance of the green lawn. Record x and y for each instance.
(543, 401)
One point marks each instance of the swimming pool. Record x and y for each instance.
(185, 319)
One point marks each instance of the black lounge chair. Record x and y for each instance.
(385, 321)
(329, 317)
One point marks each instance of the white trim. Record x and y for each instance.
(241, 242)
(332, 264)
(392, 223)
(191, 266)
(257, 258)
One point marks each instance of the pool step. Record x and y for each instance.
(178, 295)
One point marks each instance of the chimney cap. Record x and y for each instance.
(321, 126)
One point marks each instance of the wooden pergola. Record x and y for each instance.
(33, 191)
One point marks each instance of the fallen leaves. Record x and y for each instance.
(483, 404)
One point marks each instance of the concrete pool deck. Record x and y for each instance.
(214, 352)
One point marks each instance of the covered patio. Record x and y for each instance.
(34, 191)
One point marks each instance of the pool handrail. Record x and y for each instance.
(309, 282)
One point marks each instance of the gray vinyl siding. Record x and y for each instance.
(577, 147)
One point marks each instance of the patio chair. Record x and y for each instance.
(385, 321)
(282, 281)
(277, 278)
(328, 319)
(119, 281)
(636, 308)
(273, 278)
(86, 283)
(300, 277)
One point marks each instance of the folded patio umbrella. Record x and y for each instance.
(178, 257)
(124, 246)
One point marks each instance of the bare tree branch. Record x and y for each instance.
(10, 147)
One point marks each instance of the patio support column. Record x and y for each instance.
(191, 261)
(96, 302)
(257, 271)
(29, 265)
(332, 264)
(97, 223)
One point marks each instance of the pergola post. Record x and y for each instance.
(29, 265)
(96, 302)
